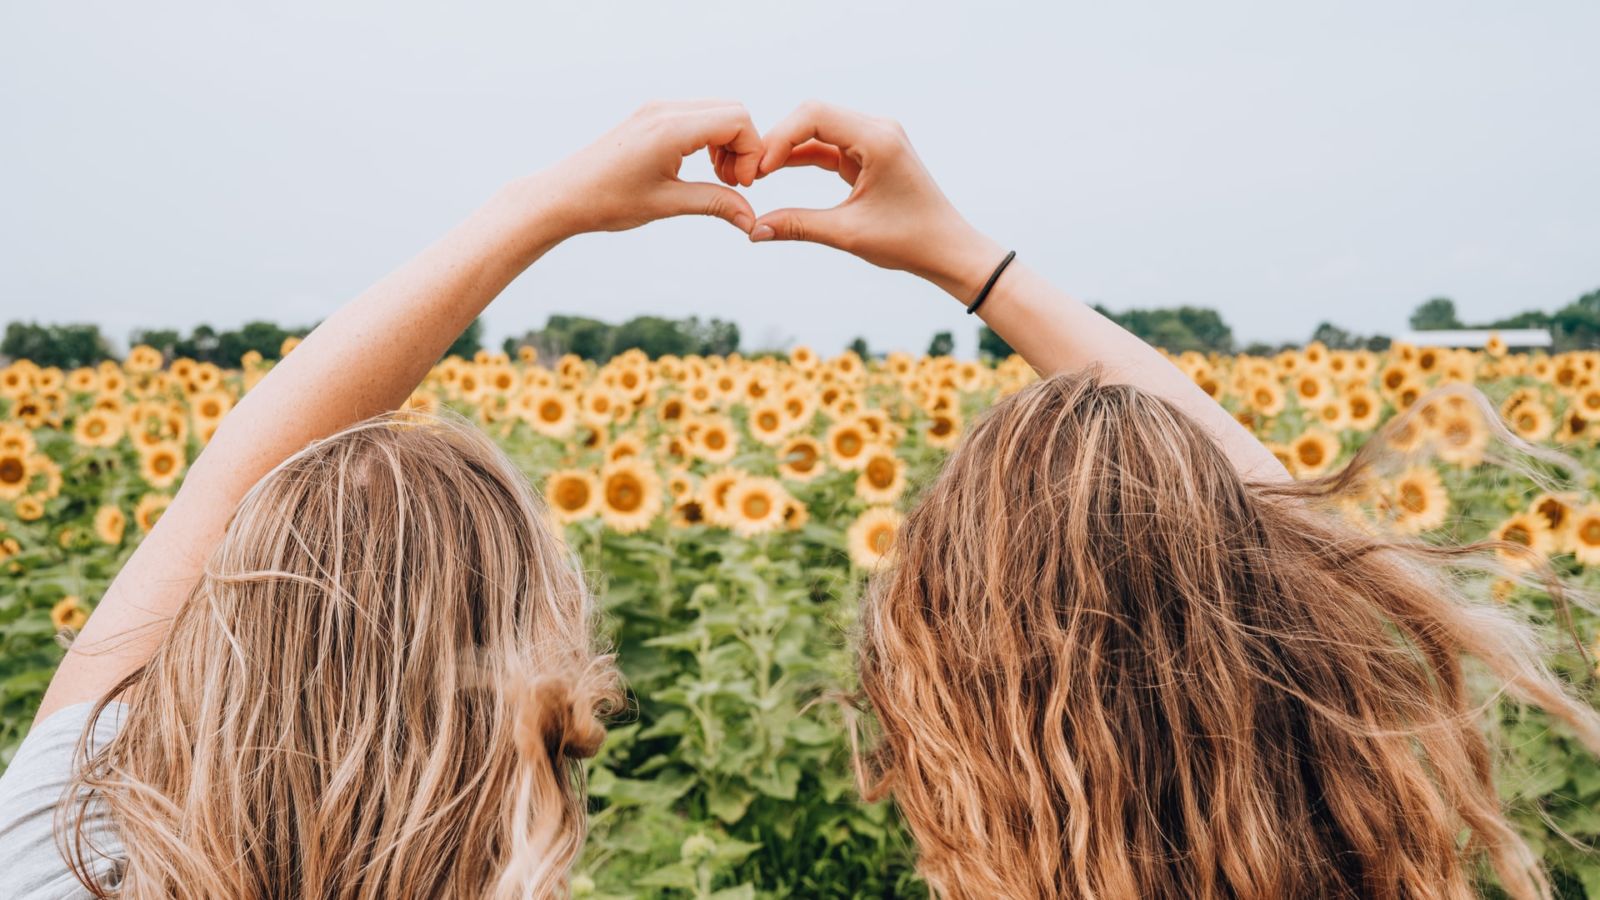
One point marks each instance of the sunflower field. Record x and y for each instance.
(728, 512)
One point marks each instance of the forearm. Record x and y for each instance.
(363, 360)
(1056, 333)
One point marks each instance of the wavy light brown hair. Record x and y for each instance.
(377, 689)
(1105, 666)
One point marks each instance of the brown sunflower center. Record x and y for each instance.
(1413, 499)
(12, 471)
(880, 472)
(881, 538)
(624, 493)
(756, 506)
(1589, 534)
(572, 494)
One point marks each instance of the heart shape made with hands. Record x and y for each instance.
(894, 215)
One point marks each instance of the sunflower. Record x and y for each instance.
(630, 492)
(1587, 403)
(550, 412)
(1362, 409)
(68, 614)
(795, 515)
(1312, 389)
(1331, 416)
(769, 424)
(713, 494)
(1532, 421)
(800, 459)
(1584, 535)
(848, 442)
(97, 428)
(1524, 531)
(83, 381)
(882, 477)
(162, 464)
(1418, 500)
(149, 510)
(687, 513)
(624, 446)
(755, 505)
(572, 494)
(143, 358)
(1313, 451)
(1265, 397)
(716, 440)
(14, 474)
(1461, 437)
(211, 406)
(1556, 512)
(871, 537)
(109, 523)
(944, 429)
(29, 508)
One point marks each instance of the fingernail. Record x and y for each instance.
(743, 222)
(763, 233)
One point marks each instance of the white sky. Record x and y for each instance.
(164, 164)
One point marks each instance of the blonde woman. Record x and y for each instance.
(360, 668)
(1120, 655)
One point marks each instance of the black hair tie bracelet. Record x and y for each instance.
(989, 285)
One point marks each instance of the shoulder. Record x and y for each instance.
(32, 788)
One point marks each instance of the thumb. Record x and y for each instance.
(819, 226)
(697, 198)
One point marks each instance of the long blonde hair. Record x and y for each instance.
(1105, 666)
(377, 689)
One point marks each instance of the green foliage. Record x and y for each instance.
(67, 346)
(224, 348)
(860, 348)
(468, 342)
(992, 345)
(1176, 329)
(1435, 315)
(1335, 338)
(943, 344)
(656, 336)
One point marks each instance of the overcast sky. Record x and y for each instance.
(166, 164)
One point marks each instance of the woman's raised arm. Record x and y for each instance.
(368, 356)
(897, 217)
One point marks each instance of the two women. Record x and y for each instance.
(1118, 656)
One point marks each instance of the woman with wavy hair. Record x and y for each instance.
(362, 668)
(1121, 654)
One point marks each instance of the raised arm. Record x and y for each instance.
(368, 356)
(897, 217)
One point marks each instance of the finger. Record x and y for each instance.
(815, 153)
(818, 226)
(700, 198)
(719, 157)
(834, 125)
(728, 127)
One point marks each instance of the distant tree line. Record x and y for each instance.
(1575, 326)
(655, 335)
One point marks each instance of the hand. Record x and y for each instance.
(630, 175)
(895, 216)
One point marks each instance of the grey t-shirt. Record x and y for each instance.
(30, 791)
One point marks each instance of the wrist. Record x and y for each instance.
(963, 262)
(536, 209)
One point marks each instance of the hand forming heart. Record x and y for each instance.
(895, 215)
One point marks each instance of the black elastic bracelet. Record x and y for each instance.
(989, 285)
